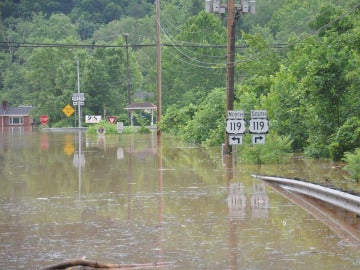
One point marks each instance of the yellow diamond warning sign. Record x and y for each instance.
(68, 110)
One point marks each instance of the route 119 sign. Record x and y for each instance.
(235, 126)
(259, 126)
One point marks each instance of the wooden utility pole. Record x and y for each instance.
(128, 80)
(158, 66)
(78, 87)
(230, 65)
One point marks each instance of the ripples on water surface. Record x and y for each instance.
(124, 200)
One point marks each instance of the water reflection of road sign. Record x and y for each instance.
(260, 203)
(236, 201)
(69, 148)
(68, 110)
(79, 160)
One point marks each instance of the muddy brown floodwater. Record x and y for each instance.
(136, 199)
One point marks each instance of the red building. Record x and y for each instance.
(15, 116)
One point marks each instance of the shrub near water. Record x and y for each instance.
(346, 139)
(353, 164)
(276, 150)
(109, 128)
(112, 129)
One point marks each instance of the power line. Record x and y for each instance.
(92, 46)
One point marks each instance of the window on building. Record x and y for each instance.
(16, 120)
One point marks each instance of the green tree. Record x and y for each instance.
(352, 166)
(346, 138)
(208, 124)
(194, 72)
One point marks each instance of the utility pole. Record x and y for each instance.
(128, 69)
(158, 66)
(78, 88)
(234, 11)
(230, 65)
(128, 80)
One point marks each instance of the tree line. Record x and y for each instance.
(299, 60)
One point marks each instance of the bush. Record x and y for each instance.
(346, 139)
(275, 150)
(208, 120)
(109, 128)
(144, 130)
(176, 119)
(353, 164)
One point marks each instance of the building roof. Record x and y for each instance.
(141, 106)
(16, 111)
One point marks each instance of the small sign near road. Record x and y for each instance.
(111, 119)
(235, 139)
(258, 139)
(235, 115)
(78, 97)
(258, 114)
(236, 126)
(44, 119)
(68, 110)
(92, 119)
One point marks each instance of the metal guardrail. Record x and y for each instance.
(338, 198)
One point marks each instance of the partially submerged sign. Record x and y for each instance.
(92, 119)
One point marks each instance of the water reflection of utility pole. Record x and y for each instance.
(131, 150)
(232, 224)
(79, 161)
(161, 199)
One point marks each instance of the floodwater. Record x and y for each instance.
(134, 199)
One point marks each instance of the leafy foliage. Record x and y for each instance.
(299, 60)
(276, 150)
(353, 164)
(208, 123)
(346, 139)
